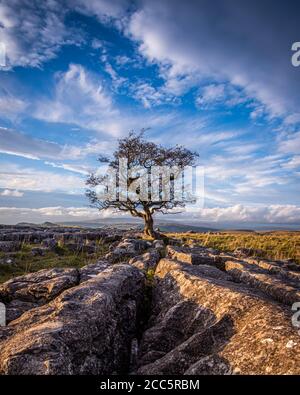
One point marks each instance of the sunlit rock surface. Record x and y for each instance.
(147, 308)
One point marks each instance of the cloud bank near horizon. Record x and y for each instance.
(274, 214)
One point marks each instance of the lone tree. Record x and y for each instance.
(141, 174)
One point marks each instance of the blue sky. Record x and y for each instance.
(214, 76)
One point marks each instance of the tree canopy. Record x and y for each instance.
(143, 164)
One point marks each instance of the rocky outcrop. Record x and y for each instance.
(194, 256)
(127, 248)
(146, 261)
(280, 285)
(197, 311)
(35, 289)
(49, 236)
(9, 246)
(87, 329)
(204, 323)
(246, 252)
(274, 279)
(89, 271)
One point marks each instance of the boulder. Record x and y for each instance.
(16, 307)
(9, 246)
(245, 252)
(89, 271)
(146, 261)
(88, 329)
(7, 260)
(127, 248)
(50, 243)
(194, 256)
(159, 245)
(202, 323)
(25, 292)
(280, 286)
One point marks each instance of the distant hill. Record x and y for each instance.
(164, 226)
(46, 224)
(167, 225)
(25, 224)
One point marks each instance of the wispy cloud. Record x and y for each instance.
(185, 37)
(16, 143)
(33, 35)
(32, 179)
(11, 193)
(79, 99)
(262, 214)
(13, 215)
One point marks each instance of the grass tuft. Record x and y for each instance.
(24, 262)
(272, 245)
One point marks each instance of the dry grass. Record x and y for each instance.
(24, 262)
(273, 245)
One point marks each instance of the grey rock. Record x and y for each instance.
(50, 243)
(89, 271)
(38, 251)
(8, 246)
(202, 323)
(42, 285)
(194, 256)
(245, 252)
(146, 261)
(282, 288)
(127, 248)
(87, 329)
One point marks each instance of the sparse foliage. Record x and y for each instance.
(144, 155)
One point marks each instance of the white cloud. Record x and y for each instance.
(12, 193)
(149, 95)
(273, 214)
(103, 9)
(12, 215)
(20, 178)
(184, 37)
(246, 178)
(290, 144)
(117, 81)
(292, 119)
(80, 99)
(260, 214)
(225, 94)
(211, 94)
(33, 34)
(81, 169)
(293, 163)
(16, 143)
(122, 60)
(11, 106)
(97, 44)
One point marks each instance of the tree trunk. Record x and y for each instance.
(148, 228)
